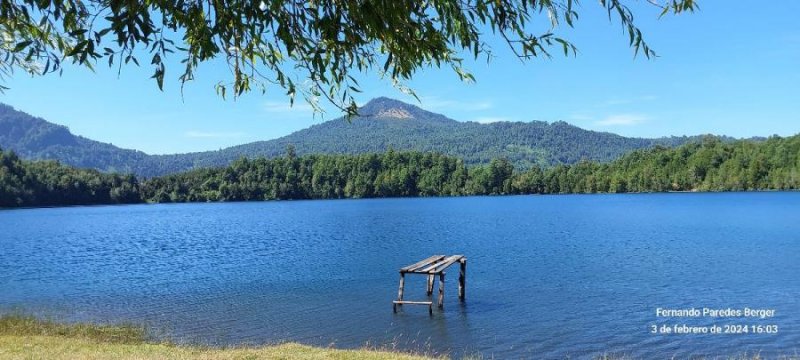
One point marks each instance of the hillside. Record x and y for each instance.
(36, 139)
(387, 123)
(708, 165)
(384, 123)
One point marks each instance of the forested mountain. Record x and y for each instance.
(36, 139)
(708, 165)
(384, 124)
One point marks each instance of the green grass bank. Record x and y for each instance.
(26, 337)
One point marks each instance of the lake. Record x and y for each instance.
(547, 276)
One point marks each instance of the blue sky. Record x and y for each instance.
(730, 68)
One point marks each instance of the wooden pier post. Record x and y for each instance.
(462, 277)
(441, 289)
(400, 291)
(430, 267)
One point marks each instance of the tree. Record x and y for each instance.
(287, 43)
(749, 165)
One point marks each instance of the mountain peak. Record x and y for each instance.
(383, 107)
(383, 123)
(382, 101)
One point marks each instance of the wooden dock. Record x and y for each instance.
(430, 267)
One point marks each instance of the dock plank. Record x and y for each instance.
(417, 265)
(404, 302)
(430, 267)
(442, 265)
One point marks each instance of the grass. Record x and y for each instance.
(26, 337)
(22, 325)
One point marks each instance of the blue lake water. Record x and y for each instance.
(547, 276)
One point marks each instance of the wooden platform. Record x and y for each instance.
(430, 267)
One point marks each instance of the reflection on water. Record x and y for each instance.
(548, 276)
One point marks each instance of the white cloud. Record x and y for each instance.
(622, 120)
(213, 135)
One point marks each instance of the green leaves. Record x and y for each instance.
(22, 45)
(315, 49)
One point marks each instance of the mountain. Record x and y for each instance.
(36, 139)
(383, 124)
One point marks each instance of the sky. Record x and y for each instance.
(730, 68)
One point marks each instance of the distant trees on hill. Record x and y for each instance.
(709, 165)
(526, 145)
(48, 183)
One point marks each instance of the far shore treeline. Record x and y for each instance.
(707, 165)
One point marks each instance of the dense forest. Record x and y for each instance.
(48, 183)
(384, 124)
(708, 165)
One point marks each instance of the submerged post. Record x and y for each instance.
(399, 291)
(462, 278)
(430, 267)
(441, 290)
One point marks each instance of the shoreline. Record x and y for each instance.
(29, 337)
(699, 192)
(23, 336)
